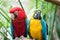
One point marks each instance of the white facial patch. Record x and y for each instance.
(12, 16)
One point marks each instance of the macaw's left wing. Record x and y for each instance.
(44, 29)
(12, 29)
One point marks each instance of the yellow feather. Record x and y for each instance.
(36, 29)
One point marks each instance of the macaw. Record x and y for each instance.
(37, 26)
(18, 22)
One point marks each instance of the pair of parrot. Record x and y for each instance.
(21, 26)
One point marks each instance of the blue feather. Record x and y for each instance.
(11, 29)
(44, 29)
(27, 26)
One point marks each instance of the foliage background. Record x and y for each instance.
(48, 13)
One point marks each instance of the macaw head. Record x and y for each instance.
(18, 12)
(37, 14)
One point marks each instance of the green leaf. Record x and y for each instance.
(4, 17)
(5, 12)
(0, 25)
(5, 28)
(58, 26)
(5, 37)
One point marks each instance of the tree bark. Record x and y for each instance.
(54, 1)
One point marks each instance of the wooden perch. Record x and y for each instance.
(54, 1)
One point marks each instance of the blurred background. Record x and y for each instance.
(50, 13)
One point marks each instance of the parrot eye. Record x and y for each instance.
(35, 16)
(15, 14)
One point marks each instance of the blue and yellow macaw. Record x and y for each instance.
(37, 26)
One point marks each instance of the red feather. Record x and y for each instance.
(19, 23)
(12, 10)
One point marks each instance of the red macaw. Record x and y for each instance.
(18, 26)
